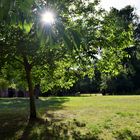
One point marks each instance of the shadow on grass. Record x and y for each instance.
(14, 117)
(49, 106)
(8, 103)
(14, 114)
(126, 134)
(12, 124)
(35, 130)
(38, 129)
(54, 103)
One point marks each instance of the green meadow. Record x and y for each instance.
(84, 117)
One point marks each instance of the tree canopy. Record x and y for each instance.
(84, 41)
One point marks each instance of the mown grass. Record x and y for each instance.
(103, 117)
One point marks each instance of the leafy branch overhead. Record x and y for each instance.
(82, 40)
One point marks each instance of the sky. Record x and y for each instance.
(121, 4)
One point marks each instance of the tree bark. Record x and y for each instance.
(30, 87)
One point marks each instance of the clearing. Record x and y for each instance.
(106, 117)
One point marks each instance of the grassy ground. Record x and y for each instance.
(106, 117)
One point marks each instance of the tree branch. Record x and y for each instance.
(18, 60)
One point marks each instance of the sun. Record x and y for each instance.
(47, 17)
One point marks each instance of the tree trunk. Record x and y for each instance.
(30, 87)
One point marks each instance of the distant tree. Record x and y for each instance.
(119, 59)
(135, 57)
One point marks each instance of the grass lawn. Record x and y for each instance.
(106, 117)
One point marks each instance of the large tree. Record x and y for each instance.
(27, 44)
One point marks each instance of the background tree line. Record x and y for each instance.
(117, 67)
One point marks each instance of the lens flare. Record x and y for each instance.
(48, 17)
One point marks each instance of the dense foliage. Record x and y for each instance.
(86, 50)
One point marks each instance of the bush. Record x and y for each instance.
(3, 84)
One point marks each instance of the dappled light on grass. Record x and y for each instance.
(12, 124)
(14, 117)
(96, 117)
